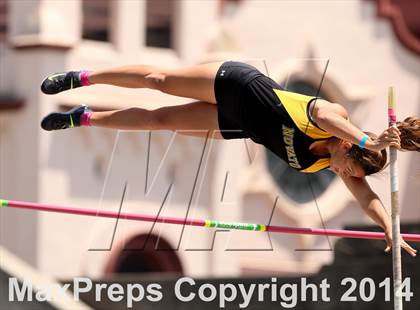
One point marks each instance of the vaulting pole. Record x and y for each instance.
(395, 213)
(203, 223)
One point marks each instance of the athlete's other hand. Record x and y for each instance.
(390, 137)
(404, 245)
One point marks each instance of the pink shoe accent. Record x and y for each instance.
(84, 78)
(85, 119)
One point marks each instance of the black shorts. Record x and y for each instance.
(244, 96)
(229, 87)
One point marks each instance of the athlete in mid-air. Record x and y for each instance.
(235, 100)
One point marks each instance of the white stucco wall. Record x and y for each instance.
(69, 168)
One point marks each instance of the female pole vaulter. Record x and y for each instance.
(235, 100)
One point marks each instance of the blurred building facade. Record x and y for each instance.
(300, 44)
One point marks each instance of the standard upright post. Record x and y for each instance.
(395, 213)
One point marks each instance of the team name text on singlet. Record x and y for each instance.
(288, 134)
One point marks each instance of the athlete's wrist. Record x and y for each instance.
(372, 144)
(363, 140)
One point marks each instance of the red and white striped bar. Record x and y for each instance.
(202, 223)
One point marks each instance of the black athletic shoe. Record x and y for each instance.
(59, 82)
(69, 119)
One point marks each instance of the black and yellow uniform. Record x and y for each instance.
(251, 105)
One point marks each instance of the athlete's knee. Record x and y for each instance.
(162, 119)
(156, 80)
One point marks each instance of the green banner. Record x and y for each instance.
(238, 226)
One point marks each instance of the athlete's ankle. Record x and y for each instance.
(84, 78)
(85, 118)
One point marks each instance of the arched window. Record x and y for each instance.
(146, 253)
(300, 187)
(96, 19)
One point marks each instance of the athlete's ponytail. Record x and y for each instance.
(374, 161)
(410, 134)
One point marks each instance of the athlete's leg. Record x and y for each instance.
(195, 82)
(194, 119)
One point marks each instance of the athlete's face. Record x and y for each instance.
(342, 164)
